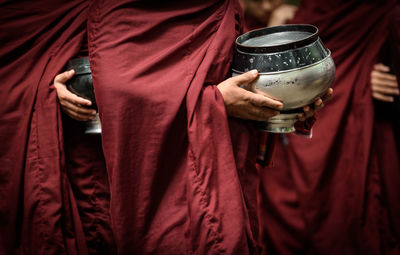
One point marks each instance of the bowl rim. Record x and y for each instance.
(291, 70)
(313, 30)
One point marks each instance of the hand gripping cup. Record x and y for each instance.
(81, 84)
(294, 67)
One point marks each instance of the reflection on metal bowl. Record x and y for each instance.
(294, 67)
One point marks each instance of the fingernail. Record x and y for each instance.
(71, 71)
(254, 72)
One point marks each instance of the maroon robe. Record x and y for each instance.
(43, 207)
(252, 23)
(86, 171)
(176, 165)
(335, 193)
(389, 144)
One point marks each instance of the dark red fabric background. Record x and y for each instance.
(335, 193)
(38, 213)
(182, 177)
(178, 182)
(86, 171)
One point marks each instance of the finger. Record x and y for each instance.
(73, 98)
(77, 116)
(245, 110)
(78, 109)
(318, 105)
(261, 113)
(308, 112)
(381, 67)
(384, 76)
(64, 77)
(385, 90)
(381, 97)
(245, 78)
(62, 91)
(61, 87)
(385, 83)
(328, 95)
(257, 113)
(301, 117)
(261, 101)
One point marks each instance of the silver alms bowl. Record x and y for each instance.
(294, 67)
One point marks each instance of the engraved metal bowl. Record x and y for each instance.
(294, 67)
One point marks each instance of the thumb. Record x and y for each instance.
(381, 67)
(64, 77)
(245, 78)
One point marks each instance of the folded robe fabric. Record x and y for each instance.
(38, 210)
(335, 194)
(177, 166)
(86, 171)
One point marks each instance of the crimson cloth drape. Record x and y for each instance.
(178, 184)
(38, 210)
(87, 174)
(338, 193)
